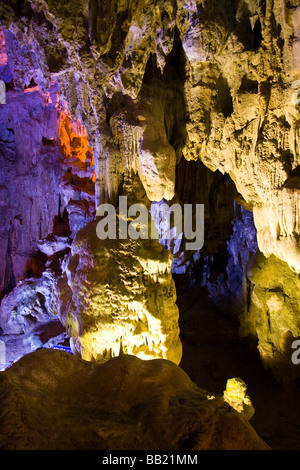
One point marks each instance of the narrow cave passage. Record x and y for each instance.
(213, 294)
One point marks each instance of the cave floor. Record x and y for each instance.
(213, 352)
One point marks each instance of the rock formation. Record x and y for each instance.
(167, 102)
(235, 395)
(165, 412)
(118, 297)
(273, 301)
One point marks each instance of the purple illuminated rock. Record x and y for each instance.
(29, 190)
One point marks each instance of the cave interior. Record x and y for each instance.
(169, 104)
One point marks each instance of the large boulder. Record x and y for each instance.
(53, 400)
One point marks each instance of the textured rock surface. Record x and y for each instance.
(273, 313)
(236, 81)
(49, 333)
(212, 338)
(27, 304)
(196, 80)
(233, 79)
(235, 394)
(26, 318)
(154, 406)
(29, 188)
(46, 195)
(199, 99)
(118, 297)
(251, 127)
(39, 188)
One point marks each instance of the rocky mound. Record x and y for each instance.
(51, 399)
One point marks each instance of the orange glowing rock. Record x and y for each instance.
(74, 141)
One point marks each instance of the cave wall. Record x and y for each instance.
(197, 99)
(29, 186)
